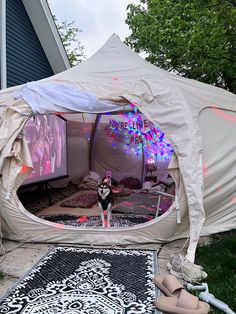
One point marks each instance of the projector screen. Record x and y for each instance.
(46, 138)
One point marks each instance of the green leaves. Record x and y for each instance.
(195, 38)
(70, 38)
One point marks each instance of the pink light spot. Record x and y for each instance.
(204, 170)
(223, 114)
(116, 191)
(59, 80)
(82, 219)
(24, 169)
(234, 199)
(219, 189)
(128, 203)
(59, 226)
(115, 78)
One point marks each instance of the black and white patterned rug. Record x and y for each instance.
(86, 281)
(95, 221)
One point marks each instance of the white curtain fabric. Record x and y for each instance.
(51, 97)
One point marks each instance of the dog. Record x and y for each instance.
(105, 199)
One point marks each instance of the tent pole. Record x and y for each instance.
(143, 164)
(92, 143)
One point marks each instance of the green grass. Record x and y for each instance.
(219, 261)
(1, 275)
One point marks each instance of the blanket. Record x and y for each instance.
(83, 201)
(141, 204)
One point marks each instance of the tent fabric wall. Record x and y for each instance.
(218, 129)
(18, 224)
(109, 153)
(119, 152)
(79, 128)
(117, 160)
(78, 149)
(115, 73)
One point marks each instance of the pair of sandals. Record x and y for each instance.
(177, 299)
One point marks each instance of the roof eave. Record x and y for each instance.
(46, 30)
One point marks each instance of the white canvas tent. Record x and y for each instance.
(199, 120)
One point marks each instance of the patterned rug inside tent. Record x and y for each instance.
(83, 280)
(95, 221)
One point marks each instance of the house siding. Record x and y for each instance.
(26, 60)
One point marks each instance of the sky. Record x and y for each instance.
(98, 19)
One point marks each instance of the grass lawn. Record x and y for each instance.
(219, 261)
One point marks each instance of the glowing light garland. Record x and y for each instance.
(138, 136)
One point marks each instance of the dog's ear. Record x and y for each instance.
(108, 182)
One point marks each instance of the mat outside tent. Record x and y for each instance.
(75, 280)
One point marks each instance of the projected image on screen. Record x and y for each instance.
(46, 138)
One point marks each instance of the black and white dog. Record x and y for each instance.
(105, 199)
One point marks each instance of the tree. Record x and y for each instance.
(195, 38)
(69, 35)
